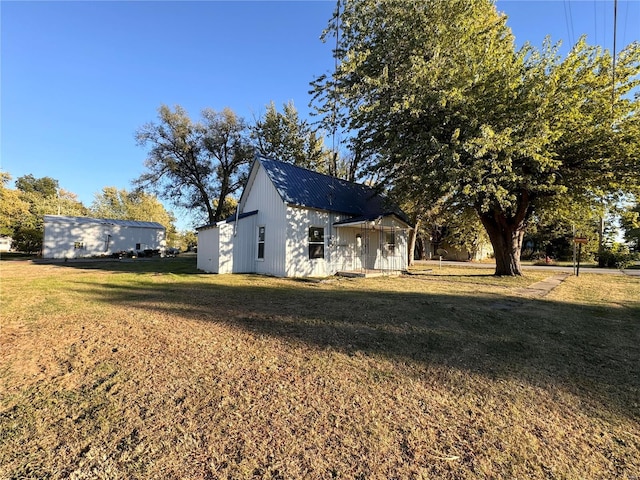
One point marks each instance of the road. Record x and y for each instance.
(555, 269)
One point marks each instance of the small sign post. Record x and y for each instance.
(441, 253)
(580, 241)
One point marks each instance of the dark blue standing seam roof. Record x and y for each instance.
(232, 218)
(306, 188)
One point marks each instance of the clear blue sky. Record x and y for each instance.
(78, 78)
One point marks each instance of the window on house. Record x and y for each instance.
(316, 242)
(390, 241)
(261, 231)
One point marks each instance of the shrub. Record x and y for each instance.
(616, 256)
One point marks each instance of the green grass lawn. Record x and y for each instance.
(147, 369)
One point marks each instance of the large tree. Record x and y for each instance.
(137, 205)
(195, 165)
(439, 93)
(13, 209)
(122, 204)
(22, 209)
(630, 222)
(283, 136)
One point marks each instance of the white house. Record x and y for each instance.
(5, 243)
(293, 222)
(78, 237)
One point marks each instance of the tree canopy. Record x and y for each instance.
(195, 165)
(121, 204)
(630, 220)
(22, 209)
(438, 95)
(285, 137)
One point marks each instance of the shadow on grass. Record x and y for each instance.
(16, 256)
(591, 351)
(185, 264)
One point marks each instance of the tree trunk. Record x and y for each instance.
(206, 201)
(412, 243)
(224, 191)
(601, 262)
(506, 238)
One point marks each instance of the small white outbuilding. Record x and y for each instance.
(80, 237)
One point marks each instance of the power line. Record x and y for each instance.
(604, 23)
(334, 114)
(568, 20)
(626, 16)
(613, 62)
(595, 21)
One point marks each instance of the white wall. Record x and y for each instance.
(346, 251)
(264, 197)
(97, 238)
(208, 250)
(245, 244)
(342, 250)
(5, 244)
(299, 220)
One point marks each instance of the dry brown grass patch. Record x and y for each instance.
(156, 375)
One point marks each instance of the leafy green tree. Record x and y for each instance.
(112, 203)
(28, 240)
(13, 209)
(46, 186)
(464, 230)
(617, 255)
(285, 137)
(630, 222)
(121, 204)
(550, 231)
(23, 209)
(438, 91)
(195, 164)
(188, 241)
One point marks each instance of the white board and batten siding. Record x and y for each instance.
(81, 237)
(299, 221)
(234, 245)
(272, 215)
(237, 246)
(208, 249)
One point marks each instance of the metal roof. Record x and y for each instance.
(229, 219)
(306, 188)
(101, 221)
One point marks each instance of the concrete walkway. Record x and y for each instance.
(542, 288)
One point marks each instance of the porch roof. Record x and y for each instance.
(370, 222)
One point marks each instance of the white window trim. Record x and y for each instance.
(324, 243)
(258, 243)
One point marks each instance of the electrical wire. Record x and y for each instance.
(613, 61)
(595, 21)
(569, 20)
(626, 17)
